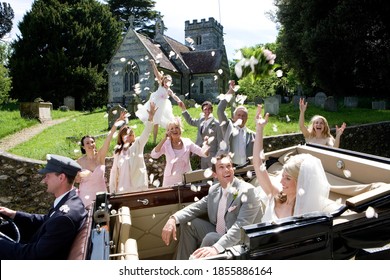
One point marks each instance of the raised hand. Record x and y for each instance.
(260, 121)
(302, 105)
(152, 110)
(340, 130)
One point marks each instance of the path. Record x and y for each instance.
(26, 134)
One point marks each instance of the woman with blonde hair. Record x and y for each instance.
(177, 151)
(318, 131)
(304, 187)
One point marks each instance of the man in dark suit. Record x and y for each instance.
(240, 206)
(48, 236)
(237, 137)
(208, 128)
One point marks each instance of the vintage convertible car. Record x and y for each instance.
(355, 225)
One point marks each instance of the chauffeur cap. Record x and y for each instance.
(60, 164)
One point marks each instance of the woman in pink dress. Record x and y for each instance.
(160, 97)
(91, 178)
(177, 151)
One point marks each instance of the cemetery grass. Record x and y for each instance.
(11, 122)
(64, 138)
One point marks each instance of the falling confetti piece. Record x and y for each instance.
(171, 53)
(301, 192)
(249, 174)
(116, 72)
(223, 145)
(208, 173)
(220, 71)
(114, 112)
(194, 188)
(288, 118)
(215, 77)
(105, 115)
(370, 213)
(263, 167)
(238, 122)
(212, 53)
(196, 198)
(123, 59)
(119, 123)
(210, 140)
(156, 183)
(225, 160)
(189, 223)
(153, 216)
(274, 127)
(244, 198)
(210, 182)
(262, 155)
(76, 151)
(213, 160)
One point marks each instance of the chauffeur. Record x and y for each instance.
(48, 236)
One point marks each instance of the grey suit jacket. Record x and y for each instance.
(212, 130)
(227, 131)
(243, 208)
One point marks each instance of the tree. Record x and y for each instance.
(342, 47)
(5, 80)
(6, 17)
(62, 51)
(142, 11)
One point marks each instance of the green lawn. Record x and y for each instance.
(63, 138)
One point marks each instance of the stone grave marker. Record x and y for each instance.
(69, 102)
(379, 105)
(330, 104)
(271, 105)
(320, 98)
(350, 101)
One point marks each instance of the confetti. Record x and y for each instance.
(212, 53)
(223, 145)
(301, 192)
(156, 183)
(370, 213)
(208, 173)
(220, 71)
(123, 59)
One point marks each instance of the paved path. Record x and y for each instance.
(26, 134)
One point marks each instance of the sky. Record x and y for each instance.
(244, 21)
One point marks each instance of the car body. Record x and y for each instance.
(356, 225)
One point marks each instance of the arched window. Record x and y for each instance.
(131, 76)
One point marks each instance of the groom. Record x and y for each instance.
(229, 205)
(48, 236)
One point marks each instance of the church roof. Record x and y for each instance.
(203, 61)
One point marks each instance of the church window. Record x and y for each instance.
(131, 76)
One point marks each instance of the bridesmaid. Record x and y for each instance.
(91, 178)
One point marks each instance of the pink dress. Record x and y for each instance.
(177, 161)
(164, 114)
(91, 184)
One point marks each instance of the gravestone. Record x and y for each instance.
(330, 104)
(39, 110)
(379, 105)
(350, 101)
(279, 97)
(271, 105)
(114, 113)
(69, 102)
(320, 98)
(295, 100)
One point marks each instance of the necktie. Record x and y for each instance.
(220, 227)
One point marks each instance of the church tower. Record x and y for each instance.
(204, 35)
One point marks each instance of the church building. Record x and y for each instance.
(199, 67)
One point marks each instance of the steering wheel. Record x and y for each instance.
(4, 220)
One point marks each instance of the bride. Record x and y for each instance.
(305, 187)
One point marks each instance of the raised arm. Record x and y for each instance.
(258, 164)
(302, 109)
(339, 132)
(174, 96)
(157, 73)
(106, 145)
(222, 118)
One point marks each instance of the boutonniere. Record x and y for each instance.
(64, 208)
(234, 192)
